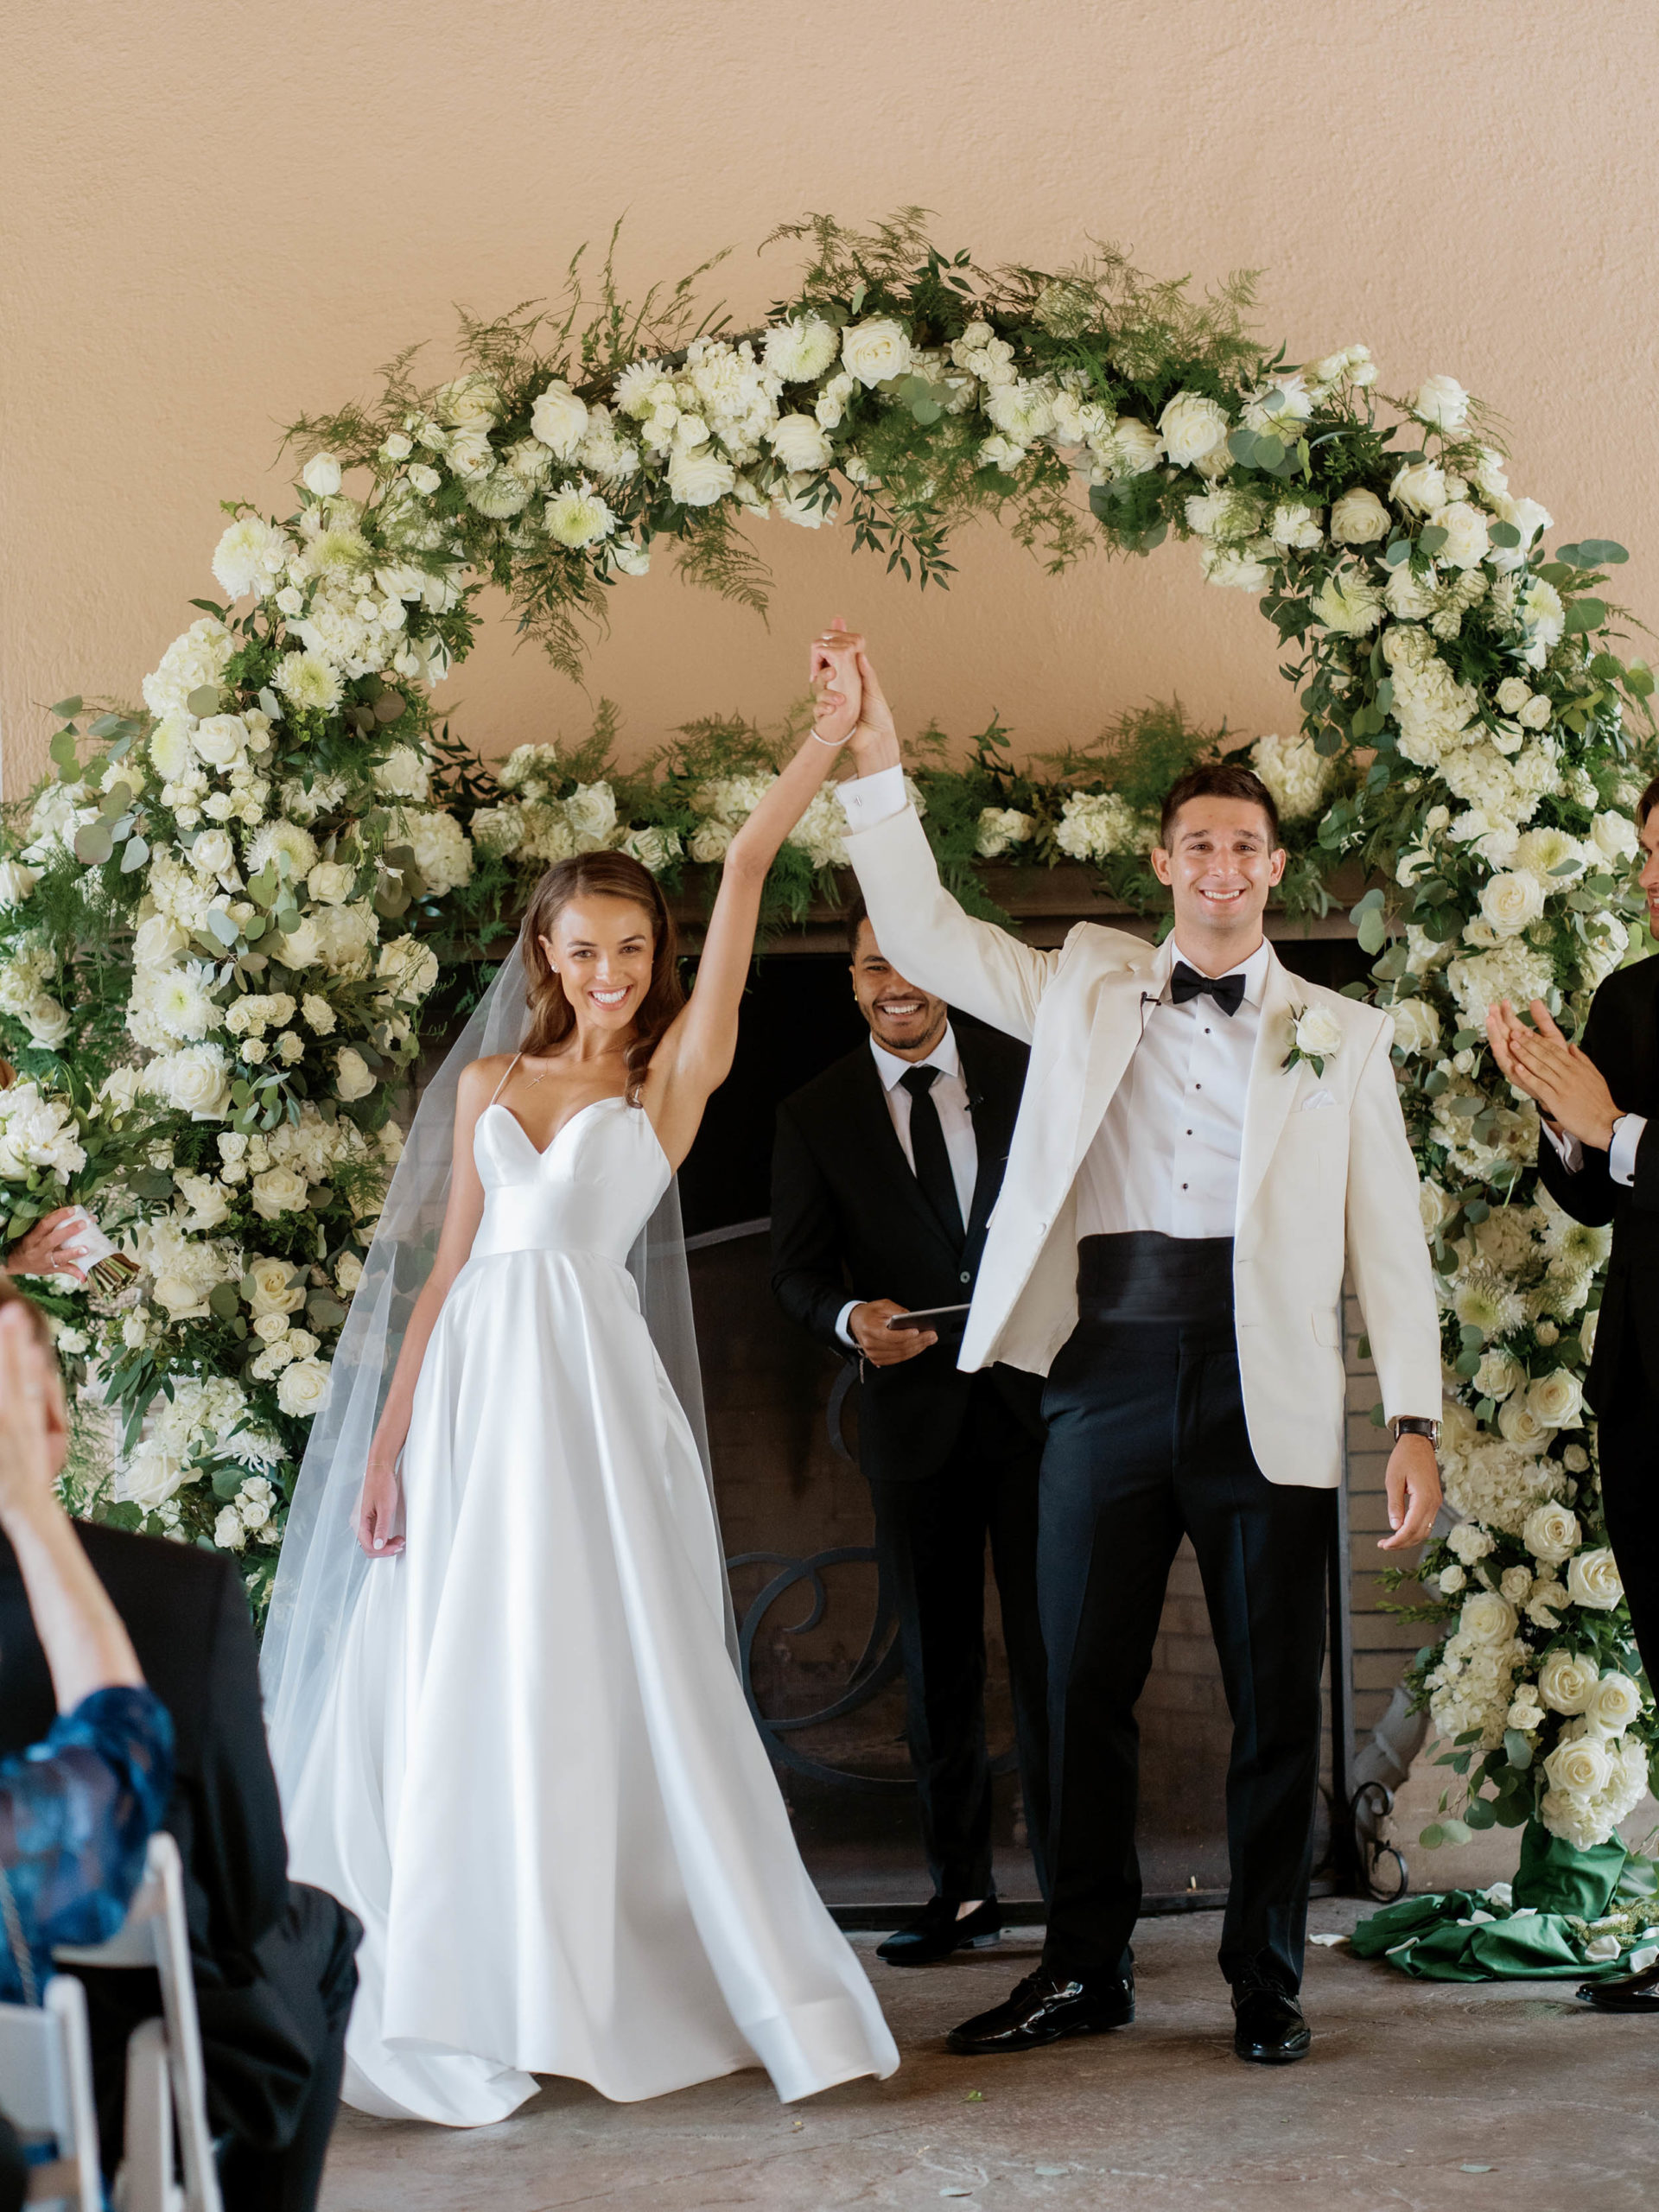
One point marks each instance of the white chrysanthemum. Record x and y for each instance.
(1347, 603)
(1236, 568)
(308, 682)
(497, 496)
(578, 516)
(799, 352)
(1023, 411)
(1482, 1300)
(250, 556)
(283, 838)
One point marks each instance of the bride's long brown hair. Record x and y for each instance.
(552, 1017)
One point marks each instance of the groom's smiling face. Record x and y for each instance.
(1221, 863)
(905, 1019)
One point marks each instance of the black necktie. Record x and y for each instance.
(1184, 983)
(927, 1150)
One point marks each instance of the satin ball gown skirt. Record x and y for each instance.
(536, 1779)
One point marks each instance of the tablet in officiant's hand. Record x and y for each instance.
(928, 1316)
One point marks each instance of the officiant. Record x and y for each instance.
(885, 1172)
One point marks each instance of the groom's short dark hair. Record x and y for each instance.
(857, 914)
(1216, 779)
(1646, 803)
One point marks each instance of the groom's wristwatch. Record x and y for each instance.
(1415, 1424)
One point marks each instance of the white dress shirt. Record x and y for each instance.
(1628, 1132)
(950, 1096)
(1166, 1157)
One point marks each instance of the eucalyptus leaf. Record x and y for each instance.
(137, 854)
(1399, 552)
(1504, 534)
(204, 700)
(67, 708)
(94, 844)
(1371, 932)
(269, 705)
(1432, 539)
(222, 926)
(1584, 614)
(1517, 1748)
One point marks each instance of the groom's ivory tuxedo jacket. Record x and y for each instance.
(1327, 1175)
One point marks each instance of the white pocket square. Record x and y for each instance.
(1317, 1098)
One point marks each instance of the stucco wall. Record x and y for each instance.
(217, 215)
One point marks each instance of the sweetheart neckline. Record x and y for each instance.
(541, 1151)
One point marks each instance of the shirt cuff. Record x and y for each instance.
(841, 1319)
(1621, 1154)
(1569, 1150)
(870, 799)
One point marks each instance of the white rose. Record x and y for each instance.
(275, 1290)
(1615, 1704)
(331, 882)
(1443, 401)
(1318, 1033)
(1419, 488)
(46, 1021)
(1551, 1533)
(697, 477)
(319, 1014)
(559, 419)
(591, 811)
(1517, 1424)
(180, 1297)
(1513, 694)
(1613, 836)
(1358, 517)
(278, 1190)
(799, 443)
(1416, 1026)
(212, 852)
(149, 1477)
(1136, 447)
(1557, 1399)
(1487, 1618)
(1510, 902)
(351, 1077)
(1194, 432)
(1499, 1374)
(229, 1534)
(1566, 1680)
(1587, 1335)
(220, 740)
(321, 475)
(1450, 1580)
(1467, 539)
(268, 1326)
(196, 1081)
(348, 1273)
(16, 882)
(303, 1386)
(875, 350)
(1593, 1579)
(1581, 1765)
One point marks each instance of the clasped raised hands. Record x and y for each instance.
(840, 669)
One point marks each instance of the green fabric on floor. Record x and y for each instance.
(1458, 1936)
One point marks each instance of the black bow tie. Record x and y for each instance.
(1184, 983)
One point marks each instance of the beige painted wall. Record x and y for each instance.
(220, 213)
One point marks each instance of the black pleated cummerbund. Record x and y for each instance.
(1141, 1276)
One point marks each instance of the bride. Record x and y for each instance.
(517, 1745)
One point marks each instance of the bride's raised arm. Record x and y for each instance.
(695, 1056)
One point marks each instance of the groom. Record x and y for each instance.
(1194, 1166)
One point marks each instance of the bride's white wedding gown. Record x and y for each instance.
(536, 1780)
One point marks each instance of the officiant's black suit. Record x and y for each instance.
(952, 1459)
(1622, 1037)
(274, 1964)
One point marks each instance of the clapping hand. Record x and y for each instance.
(1569, 1087)
(837, 691)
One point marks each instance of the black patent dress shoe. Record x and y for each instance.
(1047, 2008)
(1626, 1992)
(1267, 2024)
(936, 1931)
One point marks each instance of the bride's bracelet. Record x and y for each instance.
(835, 744)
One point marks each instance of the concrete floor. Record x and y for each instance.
(1415, 2094)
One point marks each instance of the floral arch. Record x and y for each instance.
(224, 916)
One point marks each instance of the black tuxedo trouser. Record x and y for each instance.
(1628, 1451)
(1147, 1443)
(930, 1535)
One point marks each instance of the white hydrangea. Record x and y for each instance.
(199, 657)
(1095, 825)
(1000, 827)
(443, 852)
(1296, 773)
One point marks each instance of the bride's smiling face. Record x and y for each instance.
(600, 949)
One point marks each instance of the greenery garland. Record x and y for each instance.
(222, 924)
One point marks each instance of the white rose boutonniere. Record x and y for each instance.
(1315, 1036)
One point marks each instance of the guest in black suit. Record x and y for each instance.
(274, 1963)
(886, 1171)
(1599, 1160)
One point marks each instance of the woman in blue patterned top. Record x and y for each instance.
(78, 1810)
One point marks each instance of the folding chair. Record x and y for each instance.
(166, 2082)
(46, 2089)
